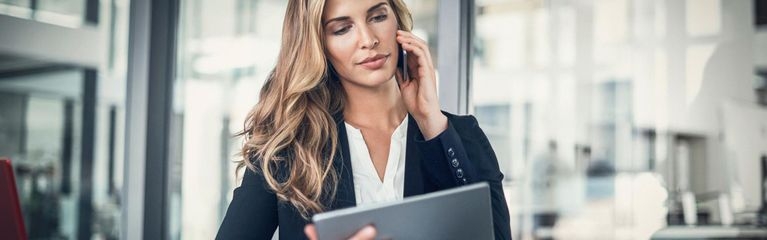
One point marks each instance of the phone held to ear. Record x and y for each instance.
(403, 64)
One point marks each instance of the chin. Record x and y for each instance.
(376, 78)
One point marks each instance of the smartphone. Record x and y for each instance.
(403, 63)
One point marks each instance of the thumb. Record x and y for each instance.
(310, 231)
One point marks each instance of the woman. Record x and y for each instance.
(335, 128)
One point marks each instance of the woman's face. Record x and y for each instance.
(360, 40)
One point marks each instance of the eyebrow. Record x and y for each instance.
(371, 9)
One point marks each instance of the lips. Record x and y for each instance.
(375, 62)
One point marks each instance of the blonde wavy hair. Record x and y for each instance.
(291, 135)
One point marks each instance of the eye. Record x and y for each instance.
(342, 31)
(379, 18)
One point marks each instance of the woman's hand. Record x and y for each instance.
(420, 91)
(368, 232)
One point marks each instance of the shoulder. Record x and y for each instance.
(279, 170)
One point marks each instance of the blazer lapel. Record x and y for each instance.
(343, 165)
(345, 196)
(413, 176)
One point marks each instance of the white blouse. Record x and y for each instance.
(368, 188)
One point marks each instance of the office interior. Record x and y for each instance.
(611, 119)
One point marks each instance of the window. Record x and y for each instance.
(70, 13)
(62, 120)
(590, 104)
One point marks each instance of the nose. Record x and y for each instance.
(368, 39)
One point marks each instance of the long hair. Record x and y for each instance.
(290, 134)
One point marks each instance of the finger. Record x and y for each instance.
(414, 49)
(420, 51)
(423, 64)
(413, 36)
(415, 40)
(368, 232)
(407, 38)
(310, 231)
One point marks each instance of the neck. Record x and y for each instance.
(378, 108)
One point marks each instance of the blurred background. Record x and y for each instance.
(611, 119)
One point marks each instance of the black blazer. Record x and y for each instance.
(460, 155)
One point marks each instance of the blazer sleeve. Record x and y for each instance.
(462, 155)
(252, 214)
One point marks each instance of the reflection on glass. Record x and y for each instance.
(704, 17)
(70, 13)
(226, 50)
(68, 7)
(18, 3)
(592, 104)
(42, 122)
(41, 132)
(40, 126)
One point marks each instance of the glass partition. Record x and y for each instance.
(604, 112)
(70, 13)
(62, 126)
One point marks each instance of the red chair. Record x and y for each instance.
(11, 221)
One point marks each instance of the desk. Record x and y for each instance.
(711, 232)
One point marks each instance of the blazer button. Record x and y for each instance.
(450, 152)
(464, 181)
(459, 173)
(455, 162)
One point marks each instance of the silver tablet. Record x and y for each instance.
(458, 213)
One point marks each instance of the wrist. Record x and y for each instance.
(431, 125)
